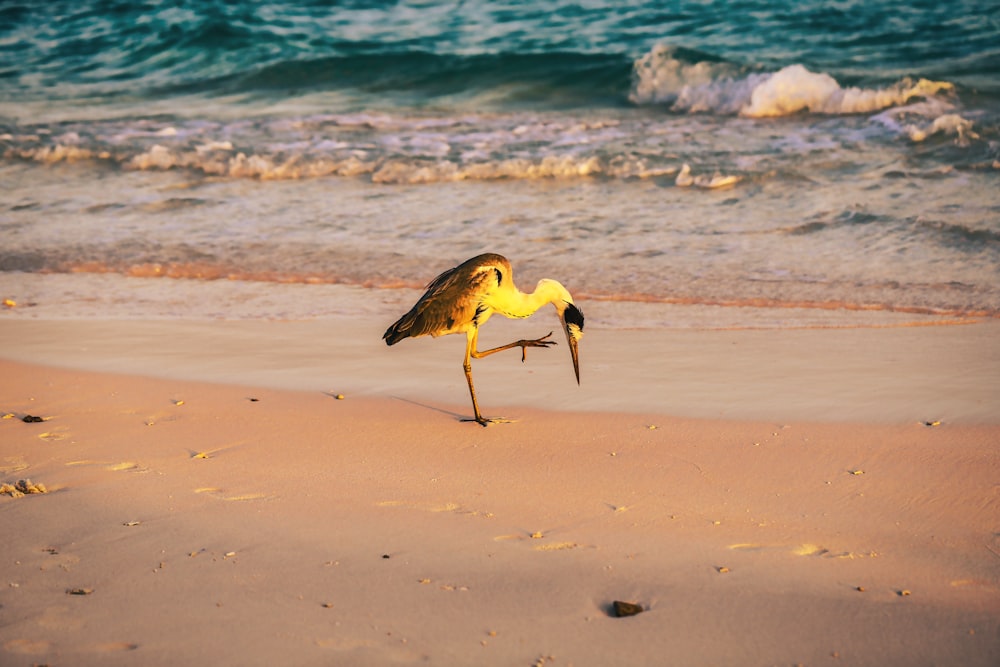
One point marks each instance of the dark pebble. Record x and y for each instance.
(623, 609)
(79, 591)
(31, 419)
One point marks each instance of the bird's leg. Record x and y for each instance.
(470, 346)
(472, 392)
(470, 351)
(523, 344)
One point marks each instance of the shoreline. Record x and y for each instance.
(85, 294)
(253, 525)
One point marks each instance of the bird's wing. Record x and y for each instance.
(451, 303)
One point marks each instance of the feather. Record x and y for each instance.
(453, 302)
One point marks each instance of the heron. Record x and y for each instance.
(463, 298)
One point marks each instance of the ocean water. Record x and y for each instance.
(752, 154)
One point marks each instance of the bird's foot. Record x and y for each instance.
(537, 342)
(486, 421)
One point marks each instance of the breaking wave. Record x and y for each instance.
(663, 77)
(418, 146)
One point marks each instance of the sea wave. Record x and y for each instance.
(356, 55)
(355, 77)
(218, 161)
(704, 97)
(385, 149)
(664, 77)
(554, 80)
(420, 150)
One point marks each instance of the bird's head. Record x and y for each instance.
(572, 320)
(570, 316)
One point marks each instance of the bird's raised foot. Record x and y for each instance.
(536, 342)
(486, 421)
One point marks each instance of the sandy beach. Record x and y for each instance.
(260, 493)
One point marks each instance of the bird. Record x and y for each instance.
(463, 298)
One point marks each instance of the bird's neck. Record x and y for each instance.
(516, 303)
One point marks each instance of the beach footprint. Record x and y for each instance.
(202, 454)
(222, 494)
(805, 549)
(56, 559)
(435, 507)
(113, 466)
(536, 539)
(55, 435)
(13, 464)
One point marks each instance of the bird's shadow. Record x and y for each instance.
(457, 416)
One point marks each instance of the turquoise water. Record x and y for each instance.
(402, 53)
(827, 154)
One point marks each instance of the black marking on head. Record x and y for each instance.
(573, 315)
(499, 277)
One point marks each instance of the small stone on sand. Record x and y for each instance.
(623, 609)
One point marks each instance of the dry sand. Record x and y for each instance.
(768, 498)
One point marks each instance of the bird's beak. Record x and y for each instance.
(576, 358)
(572, 320)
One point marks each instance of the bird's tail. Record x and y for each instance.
(393, 335)
(400, 329)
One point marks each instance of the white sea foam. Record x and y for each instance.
(686, 179)
(215, 146)
(794, 89)
(55, 153)
(923, 120)
(660, 78)
(527, 145)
